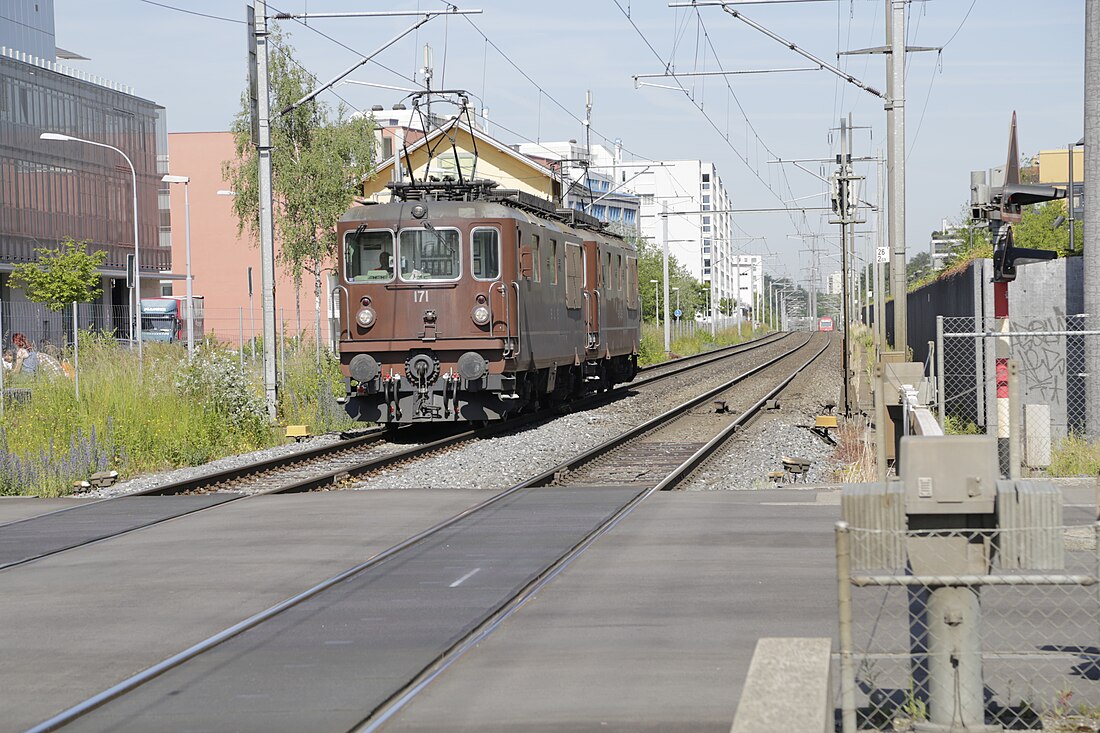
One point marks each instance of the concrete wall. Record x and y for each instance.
(1046, 296)
(1049, 296)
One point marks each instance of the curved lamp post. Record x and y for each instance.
(136, 314)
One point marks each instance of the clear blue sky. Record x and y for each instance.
(1007, 55)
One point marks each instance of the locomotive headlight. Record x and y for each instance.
(365, 317)
(480, 315)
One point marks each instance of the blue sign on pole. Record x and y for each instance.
(677, 313)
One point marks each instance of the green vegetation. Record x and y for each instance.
(1035, 230)
(959, 426)
(179, 414)
(1074, 456)
(319, 160)
(61, 276)
(653, 342)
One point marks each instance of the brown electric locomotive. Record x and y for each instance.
(459, 302)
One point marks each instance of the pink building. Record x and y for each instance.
(220, 258)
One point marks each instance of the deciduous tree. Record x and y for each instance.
(61, 276)
(319, 160)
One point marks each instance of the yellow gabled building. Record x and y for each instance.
(456, 147)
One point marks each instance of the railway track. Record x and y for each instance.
(314, 469)
(428, 599)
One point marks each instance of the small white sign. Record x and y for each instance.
(882, 254)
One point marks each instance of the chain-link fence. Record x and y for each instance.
(974, 381)
(969, 628)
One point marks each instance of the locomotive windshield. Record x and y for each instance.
(430, 254)
(368, 255)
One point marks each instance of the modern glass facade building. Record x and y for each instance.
(53, 190)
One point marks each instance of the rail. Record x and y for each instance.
(479, 632)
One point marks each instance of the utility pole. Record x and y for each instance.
(895, 162)
(262, 139)
(664, 240)
(1091, 243)
(845, 202)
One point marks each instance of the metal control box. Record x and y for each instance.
(949, 474)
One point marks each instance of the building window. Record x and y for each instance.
(706, 178)
(647, 198)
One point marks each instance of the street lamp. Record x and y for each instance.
(185, 180)
(136, 309)
(656, 302)
(677, 291)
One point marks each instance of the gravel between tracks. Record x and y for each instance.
(499, 462)
(760, 447)
(152, 480)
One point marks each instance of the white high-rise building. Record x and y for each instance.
(834, 283)
(699, 222)
(589, 180)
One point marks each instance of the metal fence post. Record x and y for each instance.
(240, 337)
(844, 611)
(282, 349)
(76, 353)
(880, 423)
(941, 406)
(1014, 436)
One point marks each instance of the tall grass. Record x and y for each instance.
(1075, 456)
(652, 349)
(172, 413)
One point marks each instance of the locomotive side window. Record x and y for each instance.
(430, 254)
(368, 256)
(485, 251)
(632, 282)
(574, 275)
(536, 270)
(553, 261)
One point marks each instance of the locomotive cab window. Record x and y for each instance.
(368, 256)
(429, 255)
(485, 246)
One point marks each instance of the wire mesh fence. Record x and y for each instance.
(974, 381)
(969, 628)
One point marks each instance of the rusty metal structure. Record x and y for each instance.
(462, 302)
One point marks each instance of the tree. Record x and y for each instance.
(1040, 229)
(61, 276)
(319, 160)
(651, 267)
(919, 268)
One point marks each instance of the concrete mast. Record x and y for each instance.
(1091, 243)
(895, 162)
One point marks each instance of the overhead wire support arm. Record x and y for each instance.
(428, 15)
(822, 64)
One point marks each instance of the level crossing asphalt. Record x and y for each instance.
(80, 524)
(652, 628)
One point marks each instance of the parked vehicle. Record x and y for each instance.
(165, 319)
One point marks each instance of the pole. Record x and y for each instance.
(845, 234)
(1069, 193)
(664, 240)
(880, 267)
(282, 349)
(76, 353)
(941, 381)
(190, 291)
(895, 163)
(1014, 452)
(267, 231)
(2, 396)
(847, 643)
(880, 422)
(1092, 212)
(240, 337)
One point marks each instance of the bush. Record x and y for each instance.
(1075, 456)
